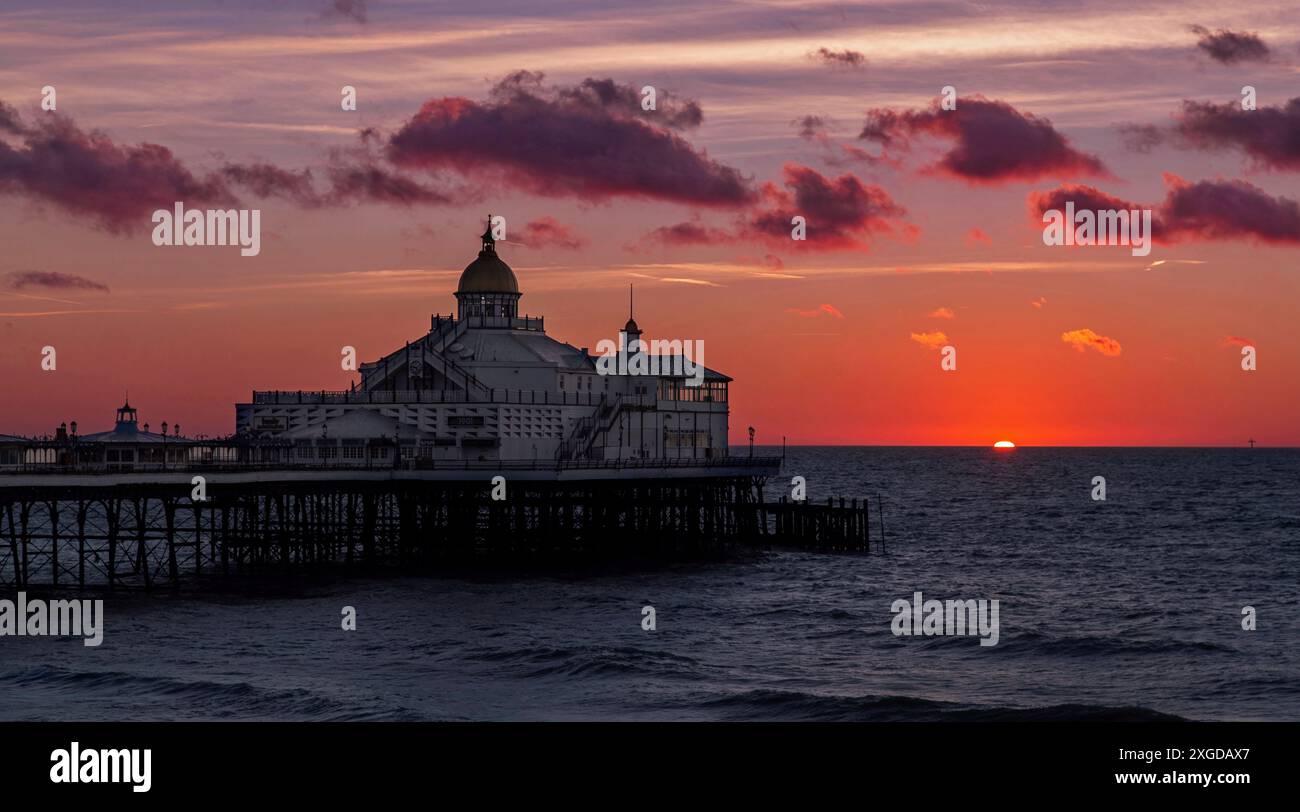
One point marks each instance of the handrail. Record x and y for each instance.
(405, 465)
(523, 397)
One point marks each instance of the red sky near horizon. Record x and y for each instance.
(922, 226)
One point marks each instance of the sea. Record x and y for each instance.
(1127, 608)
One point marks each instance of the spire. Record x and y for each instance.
(631, 327)
(489, 242)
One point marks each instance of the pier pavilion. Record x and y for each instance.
(490, 385)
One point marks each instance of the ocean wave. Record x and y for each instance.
(203, 698)
(592, 661)
(1091, 645)
(774, 705)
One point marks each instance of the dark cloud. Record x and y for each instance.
(266, 180)
(835, 153)
(1083, 197)
(353, 176)
(118, 187)
(811, 126)
(1204, 211)
(1269, 135)
(840, 59)
(1230, 47)
(1226, 210)
(692, 232)
(87, 174)
(609, 96)
(355, 10)
(9, 119)
(1141, 137)
(992, 142)
(547, 232)
(370, 182)
(841, 213)
(576, 141)
(52, 279)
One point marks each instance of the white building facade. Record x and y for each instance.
(491, 385)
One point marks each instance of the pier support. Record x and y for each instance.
(149, 536)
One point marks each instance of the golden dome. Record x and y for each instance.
(488, 273)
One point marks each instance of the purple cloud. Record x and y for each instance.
(19, 280)
(578, 141)
(992, 142)
(1230, 47)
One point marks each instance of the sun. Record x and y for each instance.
(1004, 444)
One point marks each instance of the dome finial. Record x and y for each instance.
(489, 242)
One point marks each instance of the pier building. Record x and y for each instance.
(489, 384)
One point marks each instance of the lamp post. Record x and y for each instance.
(164, 443)
(751, 441)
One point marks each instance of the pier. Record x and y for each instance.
(145, 530)
(480, 439)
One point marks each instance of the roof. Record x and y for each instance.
(129, 433)
(669, 362)
(488, 274)
(515, 347)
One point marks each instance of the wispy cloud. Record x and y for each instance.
(55, 280)
(933, 340)
(822, 310)
(1230, 47)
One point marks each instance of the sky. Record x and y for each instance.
(923, 224)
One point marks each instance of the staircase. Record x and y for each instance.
(578, 444)
(434, 348)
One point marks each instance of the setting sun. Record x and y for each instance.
(1004, 444)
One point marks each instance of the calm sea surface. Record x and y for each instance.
(1128, 608)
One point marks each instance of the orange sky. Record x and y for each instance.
(190, 331)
